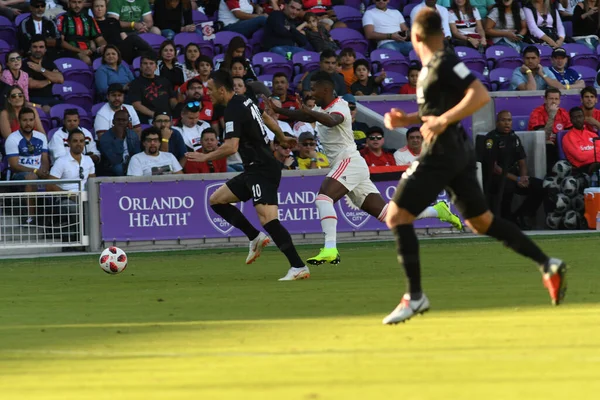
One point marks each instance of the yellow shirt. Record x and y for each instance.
(322, 161)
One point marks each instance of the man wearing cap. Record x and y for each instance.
(36, 23)
(284, 155)
(308, 156)
(532, 75)
(374, 153)
(171, 140)
(568, 77)
(194, 95)
(105, 115)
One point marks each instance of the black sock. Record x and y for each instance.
(512, 237)
(283, 240)
(408, 256)
(235, 217)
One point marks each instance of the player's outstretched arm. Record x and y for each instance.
(296, 115)
(276, 129)
(397, 118)
(229, 147)
(329, 120)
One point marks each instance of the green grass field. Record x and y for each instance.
(202, 325)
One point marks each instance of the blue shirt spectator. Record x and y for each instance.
(29, 152)
(532, 75)
(112, 71)
(519, 77)
(117, 145)
(568, 77)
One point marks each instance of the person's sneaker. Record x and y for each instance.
(446, 215)
(554, 276)
(406, 309)
(295, 274)
(256, 246)
(332, 256)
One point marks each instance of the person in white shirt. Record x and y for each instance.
(387, 27)
(152, 161)
(191, 128)
(443, 11)
(106, 114)
(285, 127)
(405, 156)
(59, 144)
(241, 16)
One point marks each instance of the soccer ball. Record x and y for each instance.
(553, 220)
(562, 169)
(572, 220)
(570, 186)
(552, 185)
(113, 260)
(563, 203)
(578, 203)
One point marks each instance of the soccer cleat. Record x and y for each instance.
(332, 256)
(256, 246)
(554, 275)
(407, 309)
(446, 215)
(295, 274)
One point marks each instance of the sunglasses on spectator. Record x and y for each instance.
(150, 140)
(352, 108)
(192, 105)
(309, 144)
(375, 137)
(16, 95)
(13, 59)
(80, 172)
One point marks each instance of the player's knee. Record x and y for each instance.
(481, 223)
(266, 213)
(398, 216)
(215, 199)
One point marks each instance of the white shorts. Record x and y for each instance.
(353, 173)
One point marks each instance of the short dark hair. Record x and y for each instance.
(531, 49)
(589, 89)
(411, 130)
(26, 110)
(414, 67)
(208, 131)
(280, 75)
(241, 60)
(500, 113)
(308, 15)
(551, 90)
(322, 77)
(574, 110)
(75, 132)
(348, 51)
(37, 38)
(428, 23)
(151, 131)
(293, 1)
(327, 54)
(205, 59)
(70, 111)
(360, 62)
(222, 78)
(148, 56)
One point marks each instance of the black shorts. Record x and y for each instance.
(452, 169)
(260, 185)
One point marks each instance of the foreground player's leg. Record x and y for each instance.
(553, 270)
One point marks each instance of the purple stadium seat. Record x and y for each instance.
(389, 60)
(222, 40)
(96, 108)
(581, 55)
(347, 37)
(75, 70)
(153, 40)
(559, 139)
(20, 18)
(181, 58)
(520, 122)
(255, 42)
(57, 114)
(296, 82)
(218, 57)
(587, 74)
(568, 25)
(51, 133)
(74, 93)
(350, 16)
(503, 57)
(545, 54)
(412, 56)
(471, 57)
(198, 17)
(407, 10)
(137, 62)
(8, 32)
(353, 3)
(393, 82)
(500, 78)
(266, 79)
(183, 38)
(4, 48)
(483, 78)
(270, 63)
(520, 106)
(305, 61)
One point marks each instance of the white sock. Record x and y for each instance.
(328, 220)
(429, 212)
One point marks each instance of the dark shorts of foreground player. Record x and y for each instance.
(450, 164)
(258, 184)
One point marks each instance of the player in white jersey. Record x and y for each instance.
(349, 173)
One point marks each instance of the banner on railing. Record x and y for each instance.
(135, 211)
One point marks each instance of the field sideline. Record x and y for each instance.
(202, 325)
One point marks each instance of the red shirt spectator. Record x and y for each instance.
(194, 167)
(578, 143)
(596, 116)
(373, 153)
(316, 6)
(407, 89)
(539, 117)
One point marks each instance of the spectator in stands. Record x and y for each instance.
(4, 88)
(191, 127)
(43, 74)
(327, 63)
(481, 5)
(310, 127)
(205, 68)
(241, 16)
(387, 27)
(36, 22)
(149, 93)
(236, 48)
(578, 144)
(281, 36)
(11, 8)
(112, 71)
(360, 129)
(73, 164)
(106, 114)
(566, 9)
(13, 75)
(568, 77)
(346, 58)
(80, 34)
(405, 156)
(552, 119)
(284, 155)
(589, 98)
(317, 34)
(440, 9)
(532, 75)
(190, 65)
(152, 161)
(366, 84)
(285, 127)
(171, 139)
(281, 88)
(130, 46)
(27, 155)
(210, 143)
(239, 87)
(59, 144)
(413, 76)
(135, 16)
(506, 24)
(308, 156)
(9, 117)
(585, 23)
(173, 17)
(374, 153)
(117, 145)
(544, 23)
(465, 25)
(505, 173)
(194, 97)
(168, 67)
(254, 89)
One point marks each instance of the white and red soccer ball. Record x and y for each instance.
(113, 260)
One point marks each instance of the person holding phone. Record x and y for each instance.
(387, 27)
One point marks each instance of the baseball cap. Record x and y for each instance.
(560, 52)
(349, 98)
(34, 3)
(305, 136)
(116, 87)
(159, 113)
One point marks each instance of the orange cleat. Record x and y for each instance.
(555, 280)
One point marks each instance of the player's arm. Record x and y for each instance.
(329, 120)
(229, 147)
(296, 115)
(276, 129)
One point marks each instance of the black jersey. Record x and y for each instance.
(243, 120)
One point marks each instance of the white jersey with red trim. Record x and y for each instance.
(404, 156)
(338, 141)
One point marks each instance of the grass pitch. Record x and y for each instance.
(202, 325)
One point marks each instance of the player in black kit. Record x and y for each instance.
(245, 133)
(447, 92)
